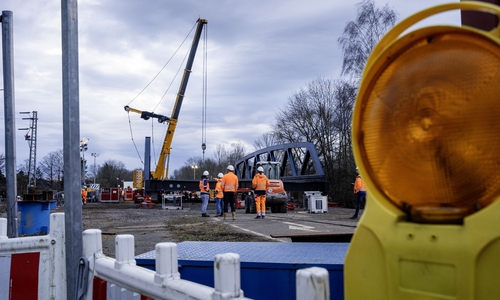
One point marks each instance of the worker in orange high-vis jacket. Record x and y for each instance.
(219, 195)
(260, 183)
(230, 189)
(204, 193)
(360, 192)
(84, 195)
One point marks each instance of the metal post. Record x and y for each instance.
(194, 171)
(95, 155)
(71, 137)
(83, 148)
(9, 107)
(147, 164)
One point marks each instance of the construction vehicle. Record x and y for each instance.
(161, 172)
(292, 167)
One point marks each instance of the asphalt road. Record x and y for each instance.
(295, 223)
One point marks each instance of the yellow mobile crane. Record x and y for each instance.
(161, 171)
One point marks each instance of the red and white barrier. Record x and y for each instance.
(33, 267)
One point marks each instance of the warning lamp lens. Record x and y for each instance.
(430, 124)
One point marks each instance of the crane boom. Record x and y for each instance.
(161, 171)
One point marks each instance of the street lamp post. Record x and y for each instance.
(194, 171)
(95, 170)
(83, 148)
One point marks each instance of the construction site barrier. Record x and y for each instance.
(35, 268)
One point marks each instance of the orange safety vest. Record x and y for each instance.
(204, 185)
(260, 182)
(359, 185)
(229, 182)
(218, 189)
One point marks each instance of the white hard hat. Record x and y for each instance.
(260, 169)
(230, 168)
(220, 175)
(205, 173)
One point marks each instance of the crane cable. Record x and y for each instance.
(204, 96)
(133, 141)
(164, 66)
(147, 85)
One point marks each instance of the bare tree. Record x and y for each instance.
(321, 113)
(22, 177)
(112, 173)
(267, 139)
(361, 35)
(237, 151)
(2, 163)
(220, 154)
(218, 164)
(52, 166)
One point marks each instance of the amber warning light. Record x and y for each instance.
(427, 123)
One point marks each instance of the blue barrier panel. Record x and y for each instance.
(267, 269)
(34, 216)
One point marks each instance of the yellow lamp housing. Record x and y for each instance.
(425, 131)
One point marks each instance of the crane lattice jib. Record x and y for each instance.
(161, 171)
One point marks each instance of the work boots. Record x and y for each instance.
(234, 215)
(225, 215)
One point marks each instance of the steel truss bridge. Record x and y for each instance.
(300, 169)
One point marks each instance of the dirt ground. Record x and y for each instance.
(152, 226)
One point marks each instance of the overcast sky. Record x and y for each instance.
(259, 54)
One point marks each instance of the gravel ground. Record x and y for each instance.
(152, 226)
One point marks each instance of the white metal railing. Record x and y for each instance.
(165, 282)
(125, 280)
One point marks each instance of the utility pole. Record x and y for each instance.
(71, 135)
(10, 138)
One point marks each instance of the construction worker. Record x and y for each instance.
(84, 195)
(122, 194)
(360, 192)
(260, 183)
(204, 193)
(219, 195)
(229, 188)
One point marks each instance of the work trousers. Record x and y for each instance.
(204, 202)
(360, 197)
(229, 200)
(219, 205)
(260, 203)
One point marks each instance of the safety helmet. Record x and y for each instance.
(230, 168)
(260, 169)
(205, 173)
(220, 175)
